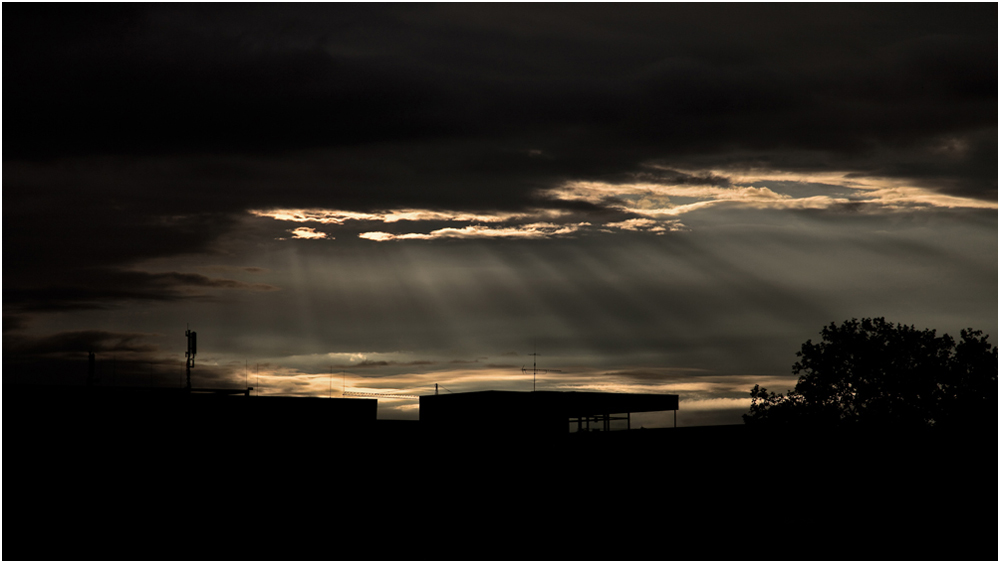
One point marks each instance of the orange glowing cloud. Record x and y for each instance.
(534, 230)
(307, 233)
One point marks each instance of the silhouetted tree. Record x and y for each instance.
(873, 372)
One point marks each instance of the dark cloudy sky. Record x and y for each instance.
(655, 197)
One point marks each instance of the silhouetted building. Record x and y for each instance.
(536, 413)
(197, 414)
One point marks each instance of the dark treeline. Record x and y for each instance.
(875, 373)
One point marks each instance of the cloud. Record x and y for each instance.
(385, 363)
(648, 82)
(75, 342)
(13, 322)
(597, 192)
(877, 194)
(338, 217)
(307, 233)
(529, 231)
(903, 197)
(820, 158)
(714, 404)
(650, 206)
(101, 288)
(647, 225)
(121, 358)
(519, 225)
(655, 375)
(222, 268)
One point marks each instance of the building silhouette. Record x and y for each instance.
(535, 413)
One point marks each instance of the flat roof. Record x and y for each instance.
(566, 404)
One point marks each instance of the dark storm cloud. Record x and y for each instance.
(597, 88)
(120, 357)
(14, 322)
(152, 80)
(97, 288)
(147, 131)
(478, 107)
(675, 177)
(218, 268)
(75, 342)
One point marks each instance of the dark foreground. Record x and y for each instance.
(86, 483)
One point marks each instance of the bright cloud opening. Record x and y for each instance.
(650, 207)
(535, 230)
(307, 233)
(339, 217)
(653, 200)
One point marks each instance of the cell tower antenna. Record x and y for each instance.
(192, 349)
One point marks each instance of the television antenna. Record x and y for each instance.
(534, 369)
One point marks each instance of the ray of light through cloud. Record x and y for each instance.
(650, 197)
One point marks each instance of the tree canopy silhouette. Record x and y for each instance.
(873, 372)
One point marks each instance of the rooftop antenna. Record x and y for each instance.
(534, 369)
(192, 349)
(246, 378)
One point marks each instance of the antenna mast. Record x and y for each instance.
(192, 349)
(534, 369)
